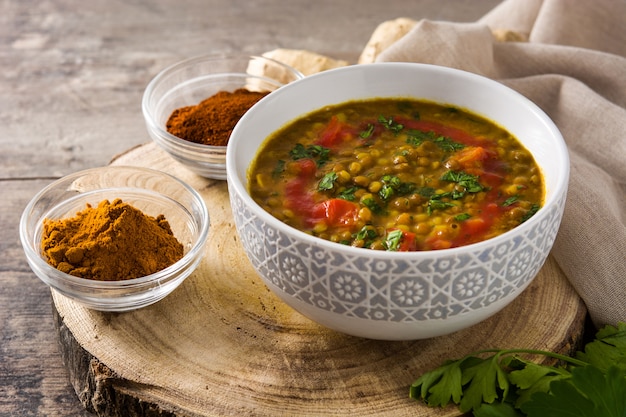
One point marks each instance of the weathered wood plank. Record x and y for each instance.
(33, 379)
(74, 73)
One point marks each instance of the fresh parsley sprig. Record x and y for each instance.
(504, 384)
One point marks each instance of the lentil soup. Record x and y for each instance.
(396, 174)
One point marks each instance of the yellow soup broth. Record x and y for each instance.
(396, 174)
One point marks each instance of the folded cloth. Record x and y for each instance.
(573, 65)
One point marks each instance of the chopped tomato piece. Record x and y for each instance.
(437, 243)
(334, 133)
(408, 242)
(306, 167)
(297, 198)
(331, 134)
(475, 226)
(336, 212)
(471, 155)
(298, 195)
(474, 229)
(472, 159)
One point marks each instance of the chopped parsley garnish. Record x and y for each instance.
(509, 201)
(348, 194)
(386, 192)
(533, 210)
(279, 168)
(371, 204)
(392, 185)
(425, 192)
(436, 203)
(448, 144)
(316, 152)
(367, 234)
(417, 137)
(327, 182)
(391, 180)
(392, 242)
(391, 124)
(406, 188)
(461, 217)
(367, 132)
(468, 181)
(300, 152)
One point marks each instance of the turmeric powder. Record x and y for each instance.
(110, 242)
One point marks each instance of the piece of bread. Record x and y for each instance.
(383, 36)
(306, 62)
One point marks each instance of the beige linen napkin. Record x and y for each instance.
(573, 65)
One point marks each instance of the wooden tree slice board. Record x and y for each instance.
(223, 345)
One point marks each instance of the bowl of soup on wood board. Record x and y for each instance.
(397, 201)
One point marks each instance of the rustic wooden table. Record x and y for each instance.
(73, 74)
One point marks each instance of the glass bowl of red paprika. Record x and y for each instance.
(191, 107)
(115, 238)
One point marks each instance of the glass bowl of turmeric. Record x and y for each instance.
(115, 238)
(191, 107)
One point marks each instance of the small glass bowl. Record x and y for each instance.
(152, 192)
(189, 82)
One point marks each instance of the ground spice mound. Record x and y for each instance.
(211, 121)
(110, 242)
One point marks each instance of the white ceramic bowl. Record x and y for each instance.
(397, 295)
(189, 82)
(152, 192)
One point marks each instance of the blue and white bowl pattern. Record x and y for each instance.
(398, 289)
